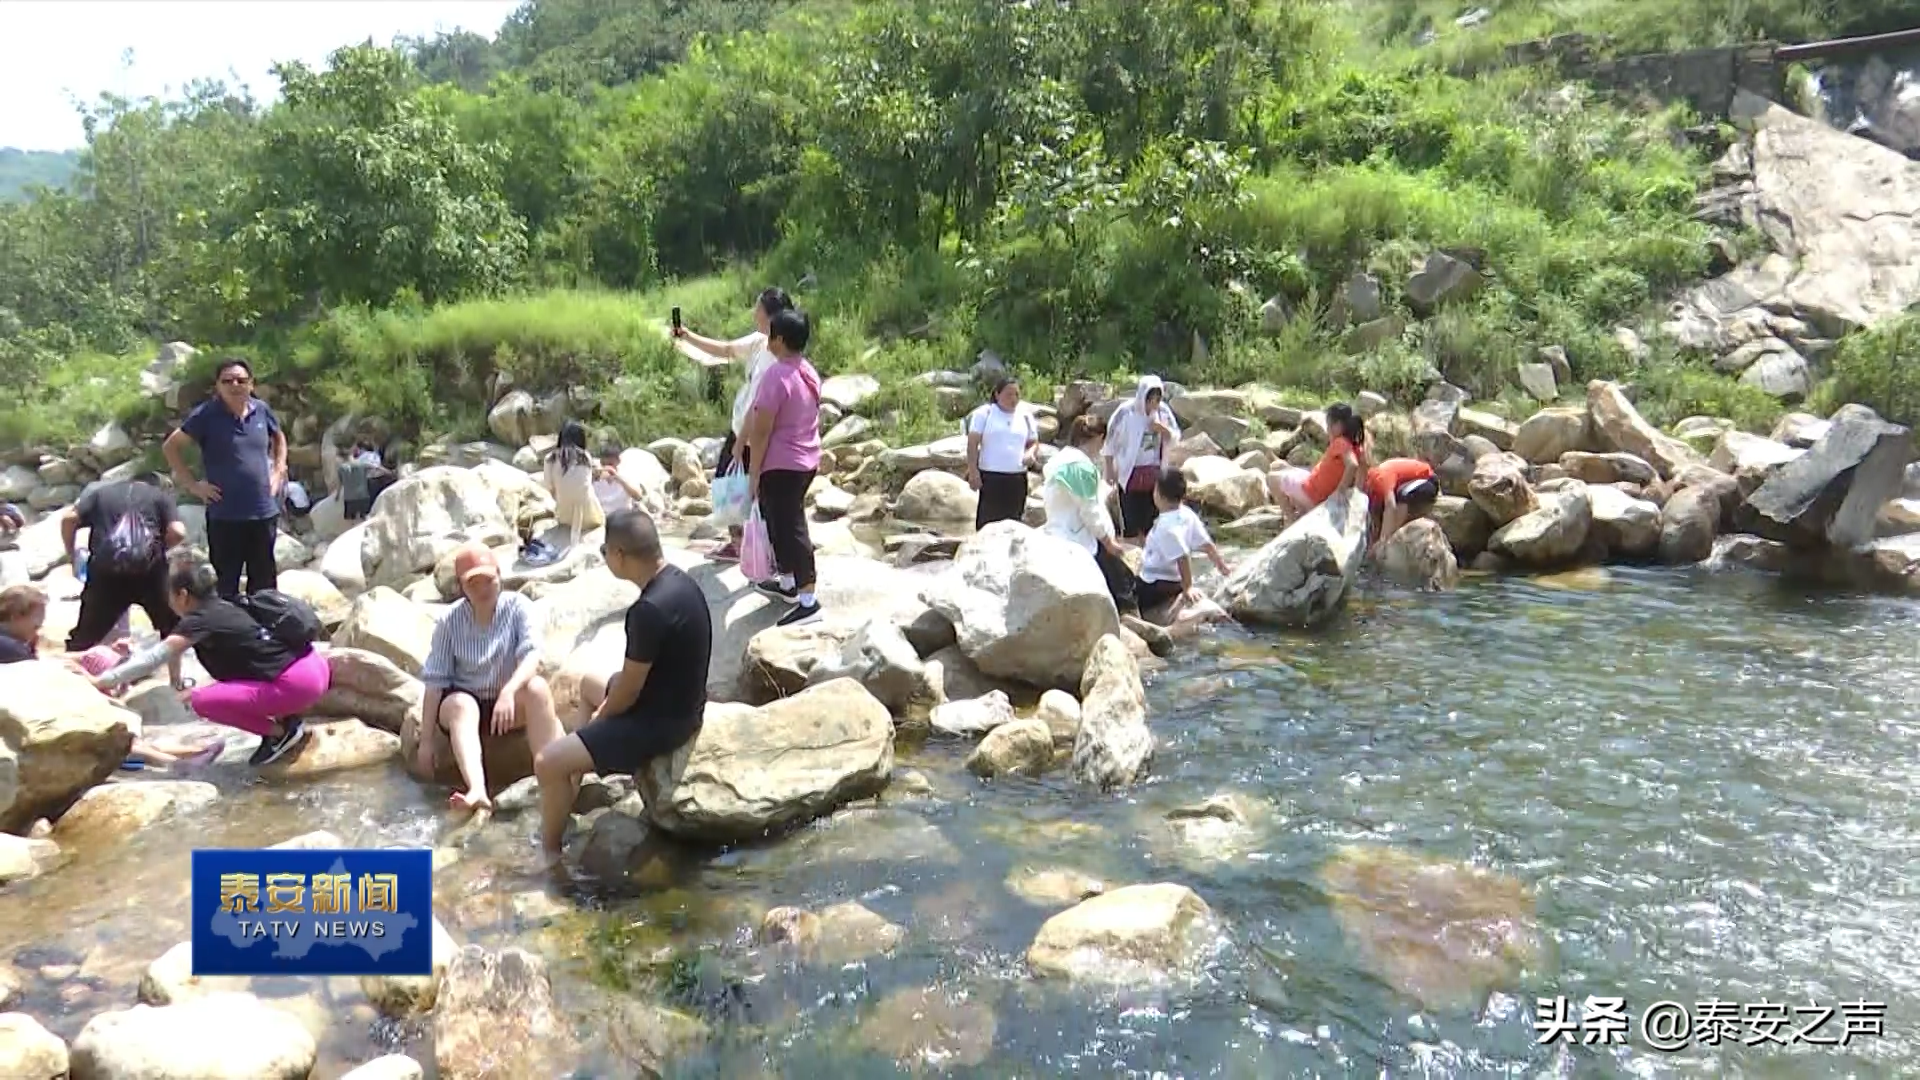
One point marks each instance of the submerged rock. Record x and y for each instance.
(1025, 605)
(1302, 576)
(929, 1029)
(495, 1017)
(217, 1037)
(1442, 932)
(119, 809)
(1138, 935)
(1053, 888)
(839, 934)
(753, 770)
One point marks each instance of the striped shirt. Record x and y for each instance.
(480, 659)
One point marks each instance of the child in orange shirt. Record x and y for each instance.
(1340, 468)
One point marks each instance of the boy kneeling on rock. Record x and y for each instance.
(655, 702)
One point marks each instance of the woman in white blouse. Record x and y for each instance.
(569, 474)
(1077, 507)
(1000, 441)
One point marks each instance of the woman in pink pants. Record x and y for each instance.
(261, 684)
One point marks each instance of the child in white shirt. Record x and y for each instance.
(1166, 565)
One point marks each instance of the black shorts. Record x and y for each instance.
(722, 465)
(486, 705)
(1153, 594)
(624, 744)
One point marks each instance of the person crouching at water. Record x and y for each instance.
(1339, 469)
(483, 667)
(613, 491)
(1140, 438)
(656, 701)
(1399, 490)
(1166, 563)
(1000, 443)
(23, 611)
(261, 684)
(1076, 504)
(569, 475)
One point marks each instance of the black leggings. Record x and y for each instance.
(783, 506)
(1119, 580)
(235, 547)
(1003, 497)
(107, 596)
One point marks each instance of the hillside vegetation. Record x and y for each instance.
(1084, 189)
(23, 170)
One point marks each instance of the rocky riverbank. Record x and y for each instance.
(1005, 639)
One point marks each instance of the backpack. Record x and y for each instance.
(132, 546)
(287, 619)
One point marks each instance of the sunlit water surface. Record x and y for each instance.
(1705, 778)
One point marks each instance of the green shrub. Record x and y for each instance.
(1877, 368)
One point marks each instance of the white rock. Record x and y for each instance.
(1303, 575)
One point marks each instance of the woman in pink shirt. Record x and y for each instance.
(783, 432)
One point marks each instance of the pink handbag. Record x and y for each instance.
(756, 550)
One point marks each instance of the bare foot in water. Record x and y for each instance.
(470, 801)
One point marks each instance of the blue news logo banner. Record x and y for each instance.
(275, 911)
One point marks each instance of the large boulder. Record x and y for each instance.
(1466, 525)
(1500, 489)
(390, 626)
(1022, 748)
(752, 771)
(421, 518)
(1420, 555)
(1551, 535)
(343, 562)
(115, 810)
(369, 687)
(58, 737)
(1550, 434)
(224, 1036)
(1688, 524)
(936, 497)
(1302, 576)
(1629, 527)
(1140, 935)
(1832, 494)
(326, 600)
(1025, 605)
(1112, 746)
(1223, 489)
(1619, 426)
(1750, 459)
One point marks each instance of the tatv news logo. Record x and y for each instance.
(275, 911)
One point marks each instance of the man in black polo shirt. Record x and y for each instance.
(655, 703)
(130, 527)
(244, 453)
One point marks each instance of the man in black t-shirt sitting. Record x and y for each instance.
(655, 703)
(130, 526)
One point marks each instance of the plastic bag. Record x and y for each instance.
(731, 501)
(756, 550)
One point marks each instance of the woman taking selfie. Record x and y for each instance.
(1000, 442)
(751, 351)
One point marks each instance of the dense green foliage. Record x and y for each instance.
(1877, 369)
(23, 170)
(1081, 188)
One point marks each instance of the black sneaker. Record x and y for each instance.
(292, 733)
(802, 613)
(773, 590)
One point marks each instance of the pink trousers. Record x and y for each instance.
(254, 706)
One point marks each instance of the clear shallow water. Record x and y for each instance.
(1705, 779)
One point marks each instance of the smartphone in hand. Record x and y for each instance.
(676, 322)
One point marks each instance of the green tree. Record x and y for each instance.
(362, 188)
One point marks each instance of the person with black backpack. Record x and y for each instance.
(259, 649)
(130, 527)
